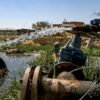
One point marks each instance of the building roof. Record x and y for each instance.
(73, 24)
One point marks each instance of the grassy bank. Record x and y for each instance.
(27, 48)
(31, 48)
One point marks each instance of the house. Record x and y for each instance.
(70, 24)
(73, 24)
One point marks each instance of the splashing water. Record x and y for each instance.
(34, 35)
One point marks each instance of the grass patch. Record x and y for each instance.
(91, 64)
(11, 93)
(45, 59)
(95, 51)
(27, 48)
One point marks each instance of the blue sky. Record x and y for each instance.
(22, 13)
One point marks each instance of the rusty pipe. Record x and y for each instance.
(68, 86)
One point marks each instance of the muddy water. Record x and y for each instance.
(16, 65)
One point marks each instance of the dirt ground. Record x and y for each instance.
(63, 38)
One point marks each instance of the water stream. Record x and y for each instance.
(16, 65)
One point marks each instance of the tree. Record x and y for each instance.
(34, 26)
(40, 25)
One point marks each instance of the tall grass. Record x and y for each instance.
(91, 64)
(45, 60)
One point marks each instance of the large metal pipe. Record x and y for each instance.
(68, 86)
(40, 86)
(3, 68)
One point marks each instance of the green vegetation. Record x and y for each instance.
(27, 48)
(11, 93)
(91, 65)
(89, 72)
(95, 51)
(45, 60)
(41, 24)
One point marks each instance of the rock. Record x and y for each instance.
(13, 51)
(30, 42)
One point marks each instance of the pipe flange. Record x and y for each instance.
(35, 80)
(25, 82)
